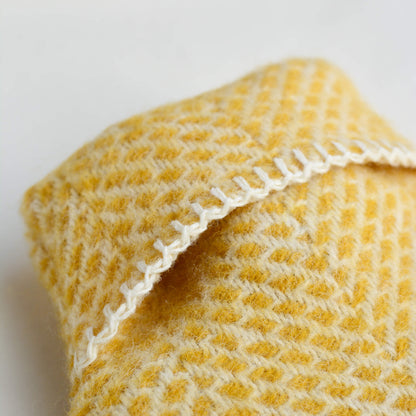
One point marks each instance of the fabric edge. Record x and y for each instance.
(395, 156)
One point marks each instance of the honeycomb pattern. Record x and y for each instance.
(278, 309)
(301, 303)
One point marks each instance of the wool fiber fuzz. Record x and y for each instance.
(249, 251)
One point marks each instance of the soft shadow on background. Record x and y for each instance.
(70, 69)
(36, 352)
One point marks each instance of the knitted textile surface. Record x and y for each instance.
(249, 251)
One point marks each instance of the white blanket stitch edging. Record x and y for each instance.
(395, 156)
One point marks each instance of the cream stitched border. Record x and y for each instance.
(395, 156)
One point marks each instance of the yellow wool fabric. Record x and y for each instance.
(300, 300)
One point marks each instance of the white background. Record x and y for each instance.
(69, 69)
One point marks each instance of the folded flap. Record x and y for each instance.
(117, 213)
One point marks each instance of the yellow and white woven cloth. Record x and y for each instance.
(249, 251)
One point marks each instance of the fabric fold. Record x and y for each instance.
(275, 192)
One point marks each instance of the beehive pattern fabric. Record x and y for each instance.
(299, 298)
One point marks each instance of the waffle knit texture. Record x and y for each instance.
(249, 251)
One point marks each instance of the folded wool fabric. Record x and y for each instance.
(249, 251)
